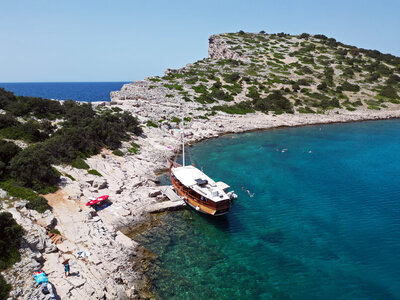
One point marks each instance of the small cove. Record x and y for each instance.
(324, 222)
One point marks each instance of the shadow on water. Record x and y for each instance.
(220, 222)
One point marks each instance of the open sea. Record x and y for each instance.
(323, 222)
(78, 91)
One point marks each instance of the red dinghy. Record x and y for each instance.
(97, 200)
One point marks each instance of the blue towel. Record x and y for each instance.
(40, 278)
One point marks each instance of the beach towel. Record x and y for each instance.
(40, 277)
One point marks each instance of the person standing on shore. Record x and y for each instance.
(66, 267)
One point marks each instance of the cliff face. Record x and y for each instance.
(218, 49)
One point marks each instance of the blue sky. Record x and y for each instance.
(126, 40)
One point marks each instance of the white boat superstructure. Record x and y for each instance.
(195, 179)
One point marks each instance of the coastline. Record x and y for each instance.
(131, 183)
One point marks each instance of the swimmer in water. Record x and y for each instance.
(250, 194)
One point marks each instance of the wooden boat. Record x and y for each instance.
(198, 190)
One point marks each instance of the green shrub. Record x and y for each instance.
(240, 108)
(133, 150)
(175, 120)
(32, 168)
(201, 88)
(304, 36)
(70, 177)
(191, 80)
(393, 79)
(306, 110)
(94, 172)
(116, 109)
(303, 82)
(346, 86)
(273, 102)
(80, 164)
(35, 201)
(55, 231)
(205, 98)
(217, 93)
(279, 56)
(8, 150)
(253, 93)
(151, 124)
(177, 87)
(57, 172)
(232, 77)
(389, 92)
(46, 189)
(29, 132)
(10, 235)
(234, 89)
(5, 288)
(7, 120)
(134, 145)
(118, 152)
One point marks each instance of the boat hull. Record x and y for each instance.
(200, 206)
(199, 210)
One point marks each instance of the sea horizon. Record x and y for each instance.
(86, 91)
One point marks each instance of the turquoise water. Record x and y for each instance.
(321, 225)
(78, 91)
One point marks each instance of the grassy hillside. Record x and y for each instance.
(286, 73)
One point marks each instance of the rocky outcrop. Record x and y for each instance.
(219, 49)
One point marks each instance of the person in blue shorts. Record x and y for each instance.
(66, 267)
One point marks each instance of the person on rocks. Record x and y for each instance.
(66, 267)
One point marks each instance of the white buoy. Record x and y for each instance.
(197, 208)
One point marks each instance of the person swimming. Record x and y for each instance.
(250, 194)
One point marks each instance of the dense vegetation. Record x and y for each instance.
(287, 73)
(10, 235)
(77, 132)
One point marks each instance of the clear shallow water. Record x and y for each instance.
(322, 225)
(78, 91)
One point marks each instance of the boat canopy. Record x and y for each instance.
(195, 179)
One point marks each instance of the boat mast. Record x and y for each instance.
(183, 142)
